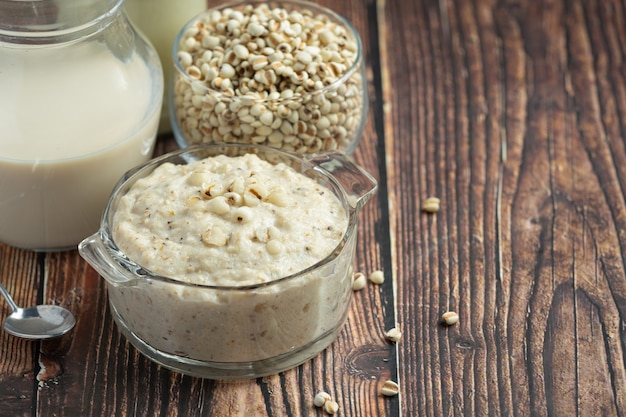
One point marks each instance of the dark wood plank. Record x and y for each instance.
(515, 120)
(21, 274)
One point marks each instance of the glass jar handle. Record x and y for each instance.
(358, 185)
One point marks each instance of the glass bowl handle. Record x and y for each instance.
(114, 270)
(357, 184)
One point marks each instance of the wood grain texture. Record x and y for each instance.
(93, 371)
(515, 119)
(513, 113)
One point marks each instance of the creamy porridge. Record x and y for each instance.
(232, 221)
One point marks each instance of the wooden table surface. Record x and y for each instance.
(513, 113)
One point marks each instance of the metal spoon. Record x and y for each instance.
(39, 322)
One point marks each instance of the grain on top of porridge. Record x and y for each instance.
(228, 221)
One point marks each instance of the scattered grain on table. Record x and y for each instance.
(358, 281)
(390, 389)
(431, 205)
(321, 398)
(394, 334)
(331, 407)
(450, 317)
(377, 277)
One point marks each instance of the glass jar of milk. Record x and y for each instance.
(80, 102)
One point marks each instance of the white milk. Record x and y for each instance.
(160, 21)
(72, 121)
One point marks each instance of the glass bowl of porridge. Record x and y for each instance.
(287, 74)
(231, 261)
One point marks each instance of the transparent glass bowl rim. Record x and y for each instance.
(129, 266)
(358, 61)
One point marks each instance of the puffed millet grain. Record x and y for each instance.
(321, 398)
(450, 317)
(377, 277)
(358, 281)
(393, 334)
(390, 388)
(331, 407)
(431, 205)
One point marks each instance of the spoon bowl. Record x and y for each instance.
(39, 322)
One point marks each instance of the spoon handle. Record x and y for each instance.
(8, 297)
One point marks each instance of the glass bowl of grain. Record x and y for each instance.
(289, 75)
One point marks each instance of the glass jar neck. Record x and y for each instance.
(53, 21)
